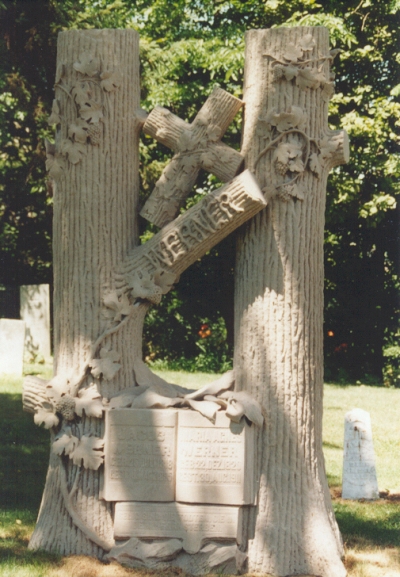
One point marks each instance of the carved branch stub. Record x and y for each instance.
(196, 146)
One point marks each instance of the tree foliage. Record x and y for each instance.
(186, 48)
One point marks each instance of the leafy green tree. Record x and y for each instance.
(186, 48)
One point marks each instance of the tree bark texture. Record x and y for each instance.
(95, 168)
(279, 298)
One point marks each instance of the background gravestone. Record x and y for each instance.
(35, 311)
(359, 472)
(12, 338)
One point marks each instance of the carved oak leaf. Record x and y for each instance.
(286, 151)
(143, 287)
(307, 43)
(315, 164)
(89, 400)
(106, 365)
(54, 117)
(309, 78)
(296, 164)
(82, 92)
(293, 190)
(73, 150)
(110, 80)
(290, 72)
(79, 131)
(292, 52)
(328, 90)
(50, 147)
(91, 111)
(186, 141)
(58, 386)
(266, 122)
(119, 307)
(90, 450)
(328, 146)
(87, 64)
(65, 443)
(213, 132)
(188, 163)
(55, 170)
(207, 160)
(45, 415)
(287, 120)
(164, 280)
(296, 190)
(203, 118)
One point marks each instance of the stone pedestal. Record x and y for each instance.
(35, 311)
(12, 336)
(359, 472)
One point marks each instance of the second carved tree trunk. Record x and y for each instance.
(279, 298)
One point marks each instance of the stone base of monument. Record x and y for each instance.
(167, 553)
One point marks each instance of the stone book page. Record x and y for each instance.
(140, 455)
(215, 462)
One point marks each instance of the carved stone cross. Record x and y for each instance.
(196, 146)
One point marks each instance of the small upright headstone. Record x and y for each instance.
(12, 336)
(359, 472)
(35, 311)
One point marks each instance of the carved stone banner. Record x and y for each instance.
(359, 472)
(140, 455)
(193, 233)
(215, 462)
(196, 145)
(191, 523)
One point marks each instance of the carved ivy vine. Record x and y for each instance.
(297, 65)
(87, 98)
(293, 151)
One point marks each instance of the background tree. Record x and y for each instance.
(203, 43)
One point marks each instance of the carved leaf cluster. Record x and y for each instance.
(88, 450)
(297, 65)
(85, 129)
(150, 287)
(118, 306)
(107, 365)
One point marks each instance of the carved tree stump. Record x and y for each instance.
(95, 168)
(103, 282)
(279, 298)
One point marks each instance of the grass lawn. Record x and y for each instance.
(371, 531)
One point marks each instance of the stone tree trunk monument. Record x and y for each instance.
(141, 470)
(279, 298)
(104, 283)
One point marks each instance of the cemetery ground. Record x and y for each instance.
(371, 530)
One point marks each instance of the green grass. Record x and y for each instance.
(368, 529)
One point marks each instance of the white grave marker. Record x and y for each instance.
(359, 473)
(35, 311)
(192, 523)
(140, 450)
(12, 337)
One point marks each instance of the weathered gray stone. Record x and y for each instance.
(12, 336)
(359, 472)
(35, 311)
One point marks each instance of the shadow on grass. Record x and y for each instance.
(370, 523)
(24, 452)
